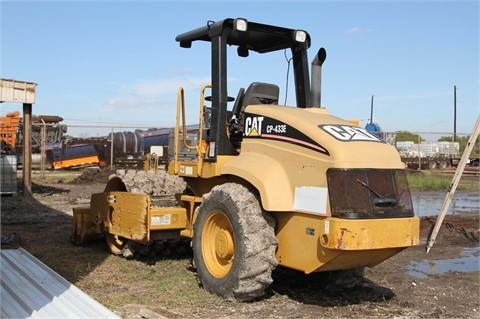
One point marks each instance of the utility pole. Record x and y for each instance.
(371, 111)
(454, 113)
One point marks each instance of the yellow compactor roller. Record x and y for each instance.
(267, 185)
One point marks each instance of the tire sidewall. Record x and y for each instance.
(222, 286)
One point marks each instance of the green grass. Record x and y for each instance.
(427, 181)
(118, 281)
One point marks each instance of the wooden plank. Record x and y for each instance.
(454, 184)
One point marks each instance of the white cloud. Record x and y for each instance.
(153, 92)
(355, 30)
(151, 102)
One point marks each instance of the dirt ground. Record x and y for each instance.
(413, 284)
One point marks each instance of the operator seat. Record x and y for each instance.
(261, 93)
(256, 93)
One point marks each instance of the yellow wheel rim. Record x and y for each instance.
(218, 246)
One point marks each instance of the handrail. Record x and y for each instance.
(202, 110)
(201, 150)
(150, 159)
(180, 107)
(184, 124)
(183, 127)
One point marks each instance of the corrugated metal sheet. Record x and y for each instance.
(30, 289)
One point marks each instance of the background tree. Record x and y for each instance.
(402, 136)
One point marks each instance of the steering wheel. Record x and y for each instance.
(229, 98)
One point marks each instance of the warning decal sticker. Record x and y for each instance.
(348, 133)
(268, 128)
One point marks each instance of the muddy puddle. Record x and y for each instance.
(468, 261)
(430, 203)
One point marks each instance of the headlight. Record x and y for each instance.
(240, 24)
(300, 36)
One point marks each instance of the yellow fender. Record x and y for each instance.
(267, 175)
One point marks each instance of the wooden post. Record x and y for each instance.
(454, 184)
(27, 150)
(43, 147)
(111, 150)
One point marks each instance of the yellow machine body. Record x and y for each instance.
(309, 243)
(292, 184)
(127, 215)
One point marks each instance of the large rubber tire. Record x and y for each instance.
(443, 165)
(115, 244)
(234, 244)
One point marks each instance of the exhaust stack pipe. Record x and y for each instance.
(317, 62)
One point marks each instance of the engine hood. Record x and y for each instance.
(338, 141)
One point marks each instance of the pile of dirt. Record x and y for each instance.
(94, 175)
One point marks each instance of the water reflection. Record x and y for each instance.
(430, 203)
(468, 262)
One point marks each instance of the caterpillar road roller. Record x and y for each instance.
(268, 185)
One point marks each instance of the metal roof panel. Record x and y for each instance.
(30, 289)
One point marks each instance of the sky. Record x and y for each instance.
(115, 65)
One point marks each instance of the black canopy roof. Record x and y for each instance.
(260, 38)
